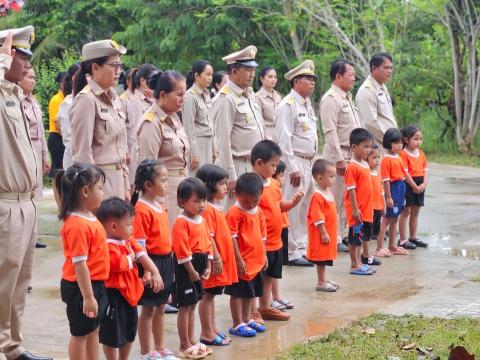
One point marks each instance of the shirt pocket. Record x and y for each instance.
(15, 119)
(106, 122)
(168, 141)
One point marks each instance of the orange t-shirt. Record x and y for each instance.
(358, 177)
(415, 163)
(191, 236)
(151, 228)
(217, 223)
(321, 211)
(378, 192)
(84, 239)
(123, 271)
(250, 230)
(285, 223)
(393, 168)
(270, 205)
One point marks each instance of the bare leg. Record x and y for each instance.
(246, 306)
(353, 252)
(414, 221)
(206, 317)
(365, 248)
(182, 325)
(110, 352)
(77, 348)
(125, 351)
(266, 299)
(92, 345)
(158, 327)
(236, 310)
(145, 329)
(191, 324)
(402, 222)
(383, 230)
(276, 289)
(321, 278)
(392, 233)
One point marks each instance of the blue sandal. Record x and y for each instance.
(218, 341)
(223, 336)
(259, 328)
(361, 271)
(242, 330)
(368, 267)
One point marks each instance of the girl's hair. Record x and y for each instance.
(217, 79)
(164, 81)
(127, 76)
(374, 147)
(408, 132)
(392, 135)
(143, 72)
(68, 78)
(147, 170)
(68, 184)
(86, 68)
(262, 74)
(191, 186)
(211, 174)
(113, 208)
(281, 167)
(197, 68)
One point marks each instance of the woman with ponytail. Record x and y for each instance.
(268, 99)
(97, 116)
(197, 116)
(161, 135)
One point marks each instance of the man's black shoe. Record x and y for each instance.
(300, 262)
(28, 356)
(40, 245)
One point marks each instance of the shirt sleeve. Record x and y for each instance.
(317, 214)
(188, 119)
(64, 124)
(263, 224)
(141, 224)
(329, 114)
(138, 249)
(350, 178)
(285, 124)
(119, 262)
(233, 221)
(149, 140)
(367, 107)
(78, 242)
(385, 169)
(82, 120)
(5, 62)
(223, 113)
(181, 245)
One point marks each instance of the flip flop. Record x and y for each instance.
(326, 288)
(223, 336)
(400, 251)
(218, 341)
(361, 271)
(206, 350)
(242, 330)
(334, 284)
(193, 352)
(287, 303)
(368, 267)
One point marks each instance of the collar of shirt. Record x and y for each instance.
(197, 90)
(236, 89)
(300, 99)
(97, 90)
(264, 93)
(141, 96)
(164, 117)
(11, 88)
(376, 84)
(251, 211)
(343, 94)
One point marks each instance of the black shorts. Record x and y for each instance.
(120, 325)
(285, 245)
(322, 262)
(412, 199)
(166, 267)
(275, 263)
(247, 289)
(187, 292)
(358, 234)
(217, 290)
(377, 220)
(81, 325)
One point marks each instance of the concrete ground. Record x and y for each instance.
(442, 281)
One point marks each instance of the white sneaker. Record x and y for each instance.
(166, 354)
(152, 355)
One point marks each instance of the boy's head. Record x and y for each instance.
(324, 173)
(192, 196)
(361, 142)
(249, 188)
(116, 216)
(373, 158)
(280, 172)
(393, 139)
(265, 157)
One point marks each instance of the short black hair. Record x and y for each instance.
(359, 135)
(211, 174)
(374, 147)
(339, 66)
(264, 150)
(249, 184)
(113, 208)
(143, 72)
(147, 170)
(378, 59)
(281, 167)
(60, 76)
(320, 166)
(191, 186)
(392, 135)
(408, 132)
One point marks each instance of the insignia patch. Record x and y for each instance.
(104, 110)
(10, 103)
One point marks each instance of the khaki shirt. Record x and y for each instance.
(375, 107)
(19, 172)
(97, 120)
(339, 117)
(238, 124)
(162, 137)
(296, 129)
(135, 108)
(269, 104)
(33, 113)
(197, 116)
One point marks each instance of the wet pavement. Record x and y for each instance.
(442, 281)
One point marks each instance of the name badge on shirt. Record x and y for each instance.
(302, 114)
(241, 103)
(104, 110)
(10, 103)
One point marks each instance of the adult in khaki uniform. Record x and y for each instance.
(297, 137)
(97, 116)
(139, 103)
(33, 113)
(161, 135)
(237, 117)
(339, 117)
(268, 99)
(18, 178)
(373, 99)
(197, 116)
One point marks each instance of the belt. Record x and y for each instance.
(244, 158)
(17, 196)
(117, 166)
(176, 172)
(345, 147)
(310, 158)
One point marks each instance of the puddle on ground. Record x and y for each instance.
(445, 243)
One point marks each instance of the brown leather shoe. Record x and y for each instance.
(269, 313)
(255, 316)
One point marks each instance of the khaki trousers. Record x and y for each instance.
(38, 190)
(18, 224)
(297, 217)
(170, 200)
(114, 184)
(242, 166)
(204, 151)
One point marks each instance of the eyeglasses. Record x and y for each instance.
(115, 66)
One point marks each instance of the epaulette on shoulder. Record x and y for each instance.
(330, 93)
(225, 90)
(290, 100)
(123, 96)
(149, 116)
(85, 89)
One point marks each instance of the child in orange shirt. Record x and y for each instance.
(87, 265)
(378, 197)
(151, 229)
(265, 157)
(417, 178)
(249, 232)
(192, 244)
(124, 287)
(224, 271)
(279, 177)
(393, 172)
(359, 199)
(322, 223)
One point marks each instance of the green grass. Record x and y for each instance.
(391, 333)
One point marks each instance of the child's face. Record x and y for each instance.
(247, 201)
(194, 205)
(362, 150)
(415, 141)
(280, 177)
(374, 159)
(119, 229)
(397, 147)
(221, 187)
(327, 179)
(93, 195)
(159, 186)
(266, 169)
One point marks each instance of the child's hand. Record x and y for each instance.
(156, 282)
(207, 272)
(356, 215)
(147, 278)
(417, 189)
(241, 267)
(217, 267)
(389, 202)
(325, 238)
(266, 261)
(194, 276)
(297, 197)
(90, 307)
(422, 186)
